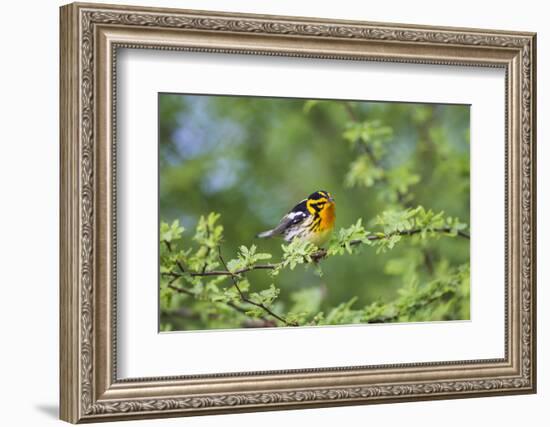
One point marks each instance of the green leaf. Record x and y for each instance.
(342, 241)
(247, 257)
(169, 233)
(236, 265)
(265, 297)
(208, 232)
(296, 252)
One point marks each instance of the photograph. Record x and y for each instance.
(289, 212)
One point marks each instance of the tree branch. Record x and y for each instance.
(316, 257)
(410, 233)
(175, 276)
(244, 298)
(227, 272)
(262, 322)
(320, 254)
(178, 262)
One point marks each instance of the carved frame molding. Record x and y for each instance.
(90, 37)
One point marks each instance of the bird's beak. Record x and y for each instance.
(331, 199)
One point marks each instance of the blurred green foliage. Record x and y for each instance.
(252, 159)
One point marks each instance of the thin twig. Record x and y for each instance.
(207, 250)
(244, 298)
(410, 233)
(351, 113)
(180, 290)
(176, 276)
(178, 262)
(231, 304)
(228, 273)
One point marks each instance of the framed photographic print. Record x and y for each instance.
(263, 212)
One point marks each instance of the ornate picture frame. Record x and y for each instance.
(90, 37)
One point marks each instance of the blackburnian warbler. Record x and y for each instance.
(312, 220)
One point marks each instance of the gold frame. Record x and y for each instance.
(90, 36)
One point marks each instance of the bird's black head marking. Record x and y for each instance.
(321, 194)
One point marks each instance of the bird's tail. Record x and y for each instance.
(265, 234)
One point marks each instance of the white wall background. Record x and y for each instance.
(29, 170)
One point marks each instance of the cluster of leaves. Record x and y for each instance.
(415, 224)
(246, 258)
(369, 139)
(439, 299)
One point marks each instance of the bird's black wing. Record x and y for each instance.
(294, 217)
(298, 214)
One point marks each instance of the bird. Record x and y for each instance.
(311, 220)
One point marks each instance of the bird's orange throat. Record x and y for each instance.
(328, 216)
